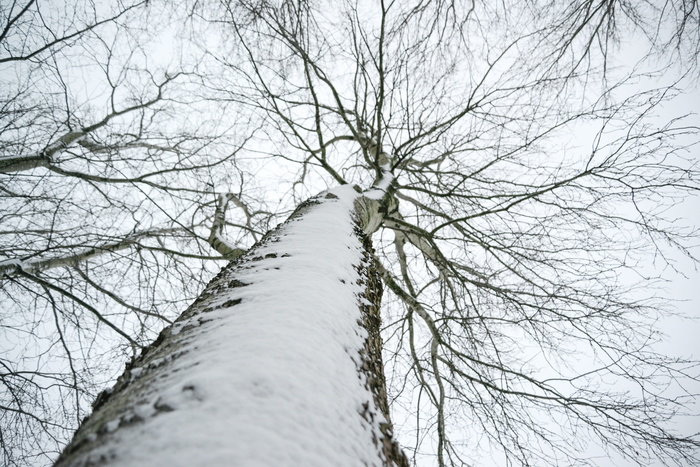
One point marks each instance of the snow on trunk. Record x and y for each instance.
(277, 363)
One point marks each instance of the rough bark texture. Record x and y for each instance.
(133, 400)
(372, 362)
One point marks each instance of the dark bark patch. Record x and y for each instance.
(131, 419)
(371, 365)
(230, 303)
(226, 304)
(236, 283)
(162, 406)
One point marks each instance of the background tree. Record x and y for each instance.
(511, 321)
(109, 207)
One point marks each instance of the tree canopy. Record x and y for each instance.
(143, 145)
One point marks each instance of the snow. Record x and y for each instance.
(272, 380)
(379, 189)
(12, 262)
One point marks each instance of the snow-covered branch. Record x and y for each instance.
(10, 267)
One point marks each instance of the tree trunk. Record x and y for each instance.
(278, 362)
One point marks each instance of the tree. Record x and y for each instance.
(281, 332)
(510, 319)
(109, 208)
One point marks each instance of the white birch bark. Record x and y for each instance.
(277, 363)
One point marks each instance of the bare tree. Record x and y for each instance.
(111, 219)
(505, 249)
